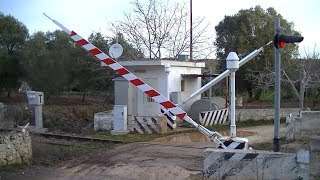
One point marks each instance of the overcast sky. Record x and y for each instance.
(87, 16)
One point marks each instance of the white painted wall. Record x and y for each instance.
(139, 104)
(152, 72)
(191, 83)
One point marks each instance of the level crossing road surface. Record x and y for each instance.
(145, 160)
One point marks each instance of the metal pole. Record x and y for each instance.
(277, 67)
(210, 93)
(191, 30)
(233, 130)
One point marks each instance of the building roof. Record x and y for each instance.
(199, 75)
(161, 62)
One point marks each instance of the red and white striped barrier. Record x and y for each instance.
(155, 95)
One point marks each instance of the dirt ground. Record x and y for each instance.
(146, 160)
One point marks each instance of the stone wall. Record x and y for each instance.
(15, 148)
(263, 114)
(304, 126)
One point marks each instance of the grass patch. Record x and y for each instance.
(268, 146)
(12, 167)
(135, 137)
(129, 138)
(267, 96)
(248, 123)
(49, 152)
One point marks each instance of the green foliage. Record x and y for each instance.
(51, 62)
(315, 98)
(87, 72)
(289, 94)
(13, 35)
(47, 60)
(10, 71)
(267, 96)
(246, 31)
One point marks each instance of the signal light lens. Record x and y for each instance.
(281, 44)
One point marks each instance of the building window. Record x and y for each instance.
(153, 82)
(182, 85)
(149, 99)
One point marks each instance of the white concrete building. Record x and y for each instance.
(174, 79)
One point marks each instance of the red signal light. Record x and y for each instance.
(282, 44)
(280, 40)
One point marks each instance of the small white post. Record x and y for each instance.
(233, 66)
(36, 100)
(38, 116)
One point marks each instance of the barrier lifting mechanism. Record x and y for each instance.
(225, 142)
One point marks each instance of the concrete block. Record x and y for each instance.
(307, 125)
(315, 157)
(315, 165)
(163, 125)
(315, 144)
(303, 156)
(244, 164)
(144, 124)
(103, 121)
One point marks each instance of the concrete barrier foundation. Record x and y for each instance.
(250, 164)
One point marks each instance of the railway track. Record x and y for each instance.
(68, 137)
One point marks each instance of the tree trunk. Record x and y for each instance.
(250, 93)
(302, 92)
(258, 94)
(9, 93)
(84, 96)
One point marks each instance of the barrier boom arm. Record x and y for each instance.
(155, 95)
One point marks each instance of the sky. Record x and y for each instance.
(85, 17)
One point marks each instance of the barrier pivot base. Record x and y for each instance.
(234, 142)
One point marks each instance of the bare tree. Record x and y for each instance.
(261, 79)
(161, 27)
(303, 74)
(300, 74)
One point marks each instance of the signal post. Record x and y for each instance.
(280, 38)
